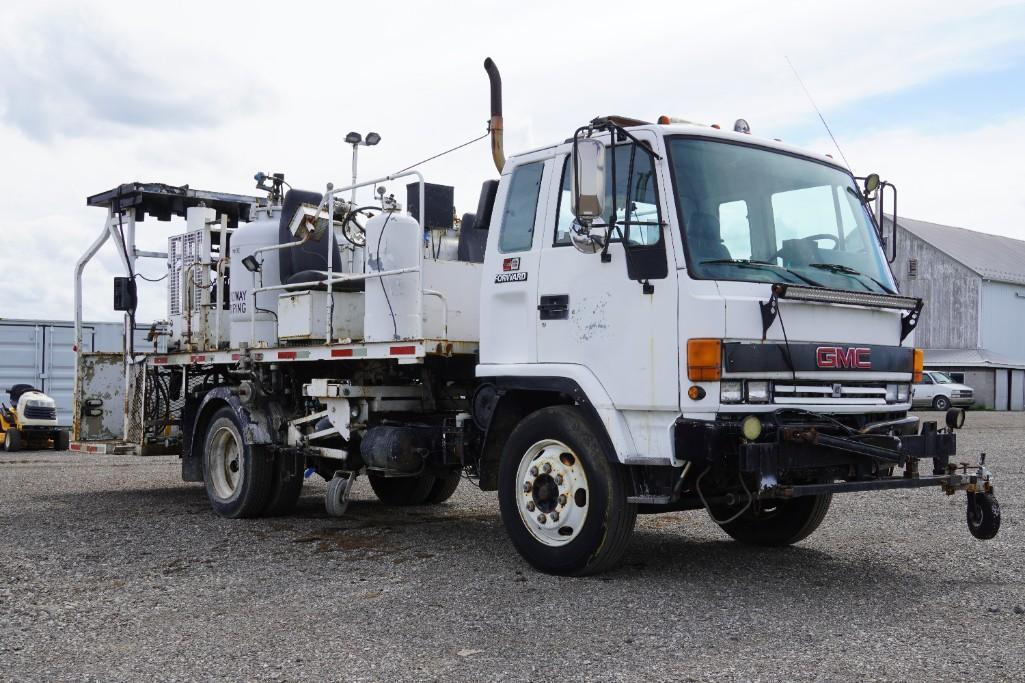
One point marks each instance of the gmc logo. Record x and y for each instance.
(857, 357)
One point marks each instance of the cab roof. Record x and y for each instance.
(701, 130)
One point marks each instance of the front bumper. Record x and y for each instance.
(811, 454)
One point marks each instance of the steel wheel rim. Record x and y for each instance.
(552, 494)
(225, 462)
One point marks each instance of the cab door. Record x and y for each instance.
(591, 313)
(510, 277)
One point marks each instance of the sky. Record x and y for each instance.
(931, 95)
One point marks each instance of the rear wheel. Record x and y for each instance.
(12, 440)
(61, 441)
(777, 522)
(402, 491)
(237, 475)
(941, 403)
(563, 503)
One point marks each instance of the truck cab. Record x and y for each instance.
(731, 336)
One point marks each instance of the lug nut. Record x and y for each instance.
(527, 487)
(530, 505)
(533, 471)
(558, 479)
(562, 499)
(555, 516)
(546, 468)
(541, 518)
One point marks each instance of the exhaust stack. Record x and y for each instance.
(495, 125)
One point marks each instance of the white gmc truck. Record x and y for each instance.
(648, 317)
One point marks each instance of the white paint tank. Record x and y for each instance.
(258, 233)
(394, 241)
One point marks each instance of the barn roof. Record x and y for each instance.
(994, 257)
(979, 358)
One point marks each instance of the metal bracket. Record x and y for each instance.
(910, 321)
(770, 309)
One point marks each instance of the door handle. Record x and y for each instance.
(554, 307)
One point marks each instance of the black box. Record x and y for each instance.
(124, 294)
(440, 201)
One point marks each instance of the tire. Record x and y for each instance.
(941, 403)
(574, 519)
(61, 441)
(983, 516)
(444, 488)
(238, 475)
(788, 522)
(286, 485)
(12, 440)
(402, 491)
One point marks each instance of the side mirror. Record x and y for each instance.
(588, 180)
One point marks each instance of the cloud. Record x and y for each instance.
(208, 93)
(63, 75)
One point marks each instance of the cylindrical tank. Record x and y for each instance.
(258, 233)
(394, 241)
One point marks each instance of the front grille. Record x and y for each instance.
(37, 413)
(849, 393)
(964, 393)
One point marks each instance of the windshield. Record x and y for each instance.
(764, 216)
(942, 378)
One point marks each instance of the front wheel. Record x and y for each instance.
(941, 403)
(563, 503)
(237, 475)
(777, 522)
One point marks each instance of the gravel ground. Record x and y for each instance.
(111, 568)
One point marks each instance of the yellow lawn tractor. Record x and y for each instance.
(31, 421)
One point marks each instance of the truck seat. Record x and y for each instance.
(704, 238)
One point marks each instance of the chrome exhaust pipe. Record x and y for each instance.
(495, 125)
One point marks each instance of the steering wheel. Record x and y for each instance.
(813, 238)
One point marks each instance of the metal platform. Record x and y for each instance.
(407, 351)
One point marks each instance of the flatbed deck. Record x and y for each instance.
(406, 351)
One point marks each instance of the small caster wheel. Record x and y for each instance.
(336, 500)
(983, 515)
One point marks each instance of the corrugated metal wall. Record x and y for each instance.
(39, 352)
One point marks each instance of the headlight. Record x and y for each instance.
(37, 404)
(897, 393)
(731, 391)
(758, 392)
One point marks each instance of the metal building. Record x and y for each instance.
(40, 353)
(973, 323)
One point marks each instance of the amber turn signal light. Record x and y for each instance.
(704, 360)
(919, 364)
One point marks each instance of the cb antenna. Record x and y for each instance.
(817, 111)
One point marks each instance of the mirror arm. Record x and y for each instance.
(605, 124)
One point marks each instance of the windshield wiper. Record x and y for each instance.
(847, 270)
(749, 263)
